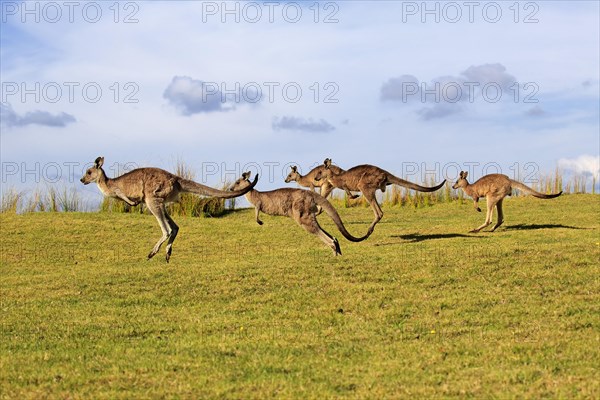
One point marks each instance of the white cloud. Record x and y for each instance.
(535, 111)
(489, 73)
(402, 88)
(37, 117)
(445, 93)
(439, 110)
(192, 96)
(584, 164)
(301, 124)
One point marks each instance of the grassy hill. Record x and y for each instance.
(420, 309)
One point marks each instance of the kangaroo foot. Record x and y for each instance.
(476, 230)
(168, 255)
(336, 247)
(496, 226)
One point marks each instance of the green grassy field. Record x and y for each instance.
(420, 309)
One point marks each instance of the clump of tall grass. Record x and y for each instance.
(187, 205)
(10, 200)
(52, 199)
(192, 205)
(395, 197)
(554, 184)
(558, 181)
(577, 184)
(64, 199)
(547, 183)
(37, 202)
(400, 196)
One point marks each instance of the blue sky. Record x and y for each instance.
(387, 83)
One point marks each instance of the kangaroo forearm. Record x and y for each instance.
(126, 199)
(125, 190)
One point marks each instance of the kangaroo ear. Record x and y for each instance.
(327, 162)
(294, 168)
(465, 175)
(99, 162)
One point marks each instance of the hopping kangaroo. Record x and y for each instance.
(301, 205)
(367, 179)
(309, 181)
(494, 187)
(155, 187)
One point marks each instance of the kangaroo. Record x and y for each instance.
(155, 187)
(301, 205)
(367, 179)
(309, 181)
(494, 187)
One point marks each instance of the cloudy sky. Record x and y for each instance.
(412, 87)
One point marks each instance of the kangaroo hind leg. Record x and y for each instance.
(311, 225)
(160, 213)
(172, 235)
(372, 200)
(488, 218)
(257, 214)
(500, 215)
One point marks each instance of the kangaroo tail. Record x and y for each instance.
(528, 190)
(397, 181)
(328, 208)
(197, 188)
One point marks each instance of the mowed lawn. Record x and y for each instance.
(421, 309)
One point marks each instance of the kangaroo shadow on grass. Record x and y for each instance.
(417, 237)
(524, 227)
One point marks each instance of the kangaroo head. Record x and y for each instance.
(93, 173)
(242, 183)
(325, 171)
(293, 175)
(461, 182)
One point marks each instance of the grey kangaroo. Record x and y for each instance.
(367, 179)
(494, 187)
(154, 187)
(301, 205)
(309, 181)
